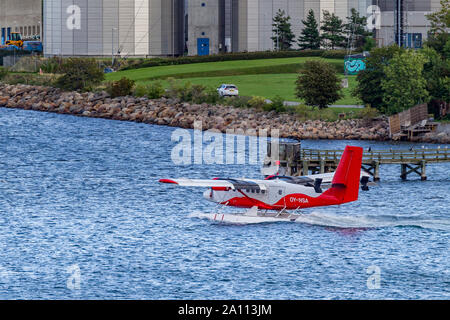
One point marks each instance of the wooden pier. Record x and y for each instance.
(296, 161)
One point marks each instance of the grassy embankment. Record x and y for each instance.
(267, 78)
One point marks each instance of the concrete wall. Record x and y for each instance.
(254, 18)
(122, 27)
(94, 27)
(415, 20)
(158, 27)
(206, 21)
(21, 16)
(166, 27)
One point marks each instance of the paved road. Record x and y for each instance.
(295, 103)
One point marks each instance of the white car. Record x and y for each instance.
(228, 90)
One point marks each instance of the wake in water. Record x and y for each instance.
(333, 220)
(372, 221)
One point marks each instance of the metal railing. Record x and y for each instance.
(381, 156)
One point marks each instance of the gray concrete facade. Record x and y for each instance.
(177, 27)
(247, 24)
(255, 18)
(414, 20)
(206, 21)
(120, 27)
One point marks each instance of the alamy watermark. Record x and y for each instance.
(373, 18)
(209, 147)
(74, 279)
(73, 21)
(374, 279)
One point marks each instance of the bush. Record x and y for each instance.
(368, 113)
(29, 78)
(334, 54)
(304, 112)
(189, 92)
(257, 102)
(206, 95)
(80, 74)
(153, 90)
(3, 73)
(277, 105)
(52, 65)
(238, 102)
(121, 88)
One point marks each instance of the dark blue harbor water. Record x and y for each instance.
(83, 217)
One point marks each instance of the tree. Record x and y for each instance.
(368, 88)
(332, 30)
(439, 38)
(80, 74)
(404, 85)
(437, 75)
(369, 44)
(283, 36)
(318, 84)
(440, 20)
(310, 37)
(356, 29)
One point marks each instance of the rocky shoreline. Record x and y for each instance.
(177, 114)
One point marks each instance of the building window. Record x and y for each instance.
(34, 30)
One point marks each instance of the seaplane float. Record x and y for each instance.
(280, 198)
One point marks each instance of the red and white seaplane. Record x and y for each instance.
(273, 198)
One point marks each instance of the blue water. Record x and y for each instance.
(82, 194)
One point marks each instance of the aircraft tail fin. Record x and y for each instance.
(345, 184)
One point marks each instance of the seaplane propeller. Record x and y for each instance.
(364, 183)
(317, 184)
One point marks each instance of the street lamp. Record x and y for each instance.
(112, 51)
(173, 29)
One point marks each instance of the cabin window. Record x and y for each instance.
(253, 190)
(263, 191)
(248, 191)
(257, 191)
(280, 192)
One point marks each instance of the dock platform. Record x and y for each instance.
(296, 161)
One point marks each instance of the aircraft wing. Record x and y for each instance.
(218, 183)
(328, 177)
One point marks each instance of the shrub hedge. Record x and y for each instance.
(121, 88)
(156, 62)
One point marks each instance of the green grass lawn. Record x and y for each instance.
(268, 86)
(209, 67)
(267, 78)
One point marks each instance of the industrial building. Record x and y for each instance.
(106, 27)
(193, 27)
(20, 16)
